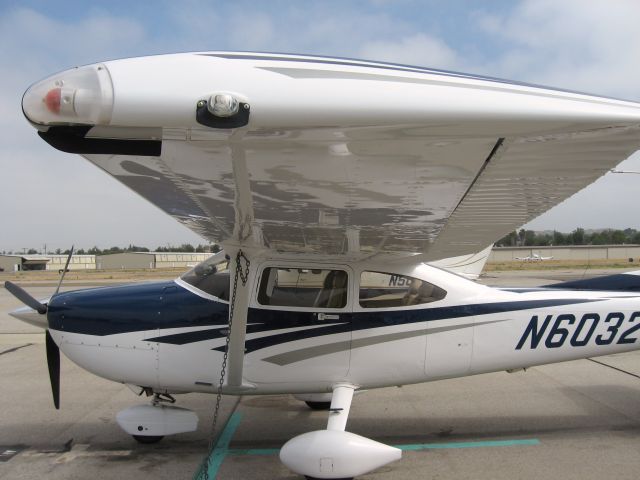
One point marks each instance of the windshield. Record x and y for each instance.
(211, 276)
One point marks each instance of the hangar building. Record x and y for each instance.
(78, 262)
(144, 260)
(18, 263)
(568, 252)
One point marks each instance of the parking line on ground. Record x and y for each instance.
(221, 448)
(411, 447)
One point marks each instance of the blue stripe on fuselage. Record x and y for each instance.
(165, 305)
(132, 308)
(377, 319)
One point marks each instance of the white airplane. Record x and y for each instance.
(536, 257)
(331, 184)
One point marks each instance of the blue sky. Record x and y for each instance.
(58, 199)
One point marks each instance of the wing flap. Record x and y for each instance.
(527, 178)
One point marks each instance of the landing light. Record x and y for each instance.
(223, 105)
(82, 96)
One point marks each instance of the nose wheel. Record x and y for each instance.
(318, 406)
(147, 439)
(149, 424)
(314, 478)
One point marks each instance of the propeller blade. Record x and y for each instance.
(64, 271)
(53, 362)
(24, 297)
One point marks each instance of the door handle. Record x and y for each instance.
(327, 316)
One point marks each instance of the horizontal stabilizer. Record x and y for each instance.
(620, 282)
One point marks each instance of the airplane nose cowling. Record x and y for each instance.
(81, 96)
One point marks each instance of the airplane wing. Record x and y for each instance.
(335, 156)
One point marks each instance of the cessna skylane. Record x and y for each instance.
(334, 186)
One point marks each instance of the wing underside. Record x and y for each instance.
(369, 190)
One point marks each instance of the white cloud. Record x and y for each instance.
(592, 46)
(39, 42)
(417, 49)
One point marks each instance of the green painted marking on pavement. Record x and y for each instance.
(489, 443)
(254, 451)
(411, 447)
(220, 450)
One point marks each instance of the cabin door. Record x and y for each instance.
(299, 324)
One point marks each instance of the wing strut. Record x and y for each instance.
(240, 268)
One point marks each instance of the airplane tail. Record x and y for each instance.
(469, 266)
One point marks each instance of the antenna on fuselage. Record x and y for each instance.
(64, 271)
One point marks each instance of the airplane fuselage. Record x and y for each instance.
(171, 337)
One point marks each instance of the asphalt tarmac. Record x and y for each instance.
(575, 420)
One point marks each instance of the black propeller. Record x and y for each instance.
(53, 352)
(53, 362)
(25, 298)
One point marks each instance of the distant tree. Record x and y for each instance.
(58, 251)
(577, 236)
(32, 251)
(618, 237)
(529, 238)
(544, 239)
(600, 238)
(509, 240)
(135, 248)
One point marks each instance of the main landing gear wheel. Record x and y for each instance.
(148, 439)
(318, 406)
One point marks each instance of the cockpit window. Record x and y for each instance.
(384, 290)
(303, 287)
(211, 276)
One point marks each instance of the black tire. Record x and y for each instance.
(147, 439)
(314, 478)
(319, 405)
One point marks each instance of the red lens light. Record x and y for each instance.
(52, 100)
